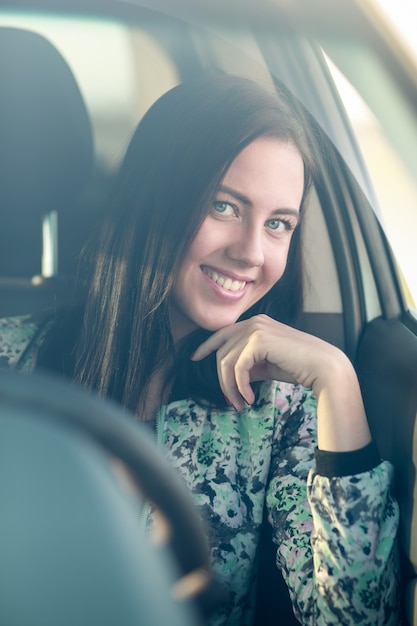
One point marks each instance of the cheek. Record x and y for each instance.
(198, 245)
(276, 265)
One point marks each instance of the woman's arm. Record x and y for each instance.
(335, 525)
(335, 534)
(263, 349)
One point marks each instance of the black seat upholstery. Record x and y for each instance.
(46, 156)
(387, 368)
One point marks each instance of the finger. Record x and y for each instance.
(243, 374)
(237, 392)
(228, 385)
(227, 381)
(212, 344)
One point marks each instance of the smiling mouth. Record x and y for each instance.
(224, 281)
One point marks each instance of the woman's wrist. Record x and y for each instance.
(342, 423)
(334, 369)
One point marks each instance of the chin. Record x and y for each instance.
(217, 324)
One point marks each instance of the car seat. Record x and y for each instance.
(387, 368)
(46, 157)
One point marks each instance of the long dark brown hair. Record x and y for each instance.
(173, 166)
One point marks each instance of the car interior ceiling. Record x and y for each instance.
(47, 164)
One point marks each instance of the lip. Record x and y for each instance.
(228, 274)
(222, 293)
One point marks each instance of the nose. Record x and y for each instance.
(247, 246)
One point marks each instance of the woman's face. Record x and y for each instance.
(241, 249)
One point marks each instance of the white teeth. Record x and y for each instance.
(226, 283)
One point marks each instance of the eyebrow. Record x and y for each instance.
(247, 202)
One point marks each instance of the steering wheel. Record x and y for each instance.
(72, 544)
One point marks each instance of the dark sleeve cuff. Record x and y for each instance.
(332, 464)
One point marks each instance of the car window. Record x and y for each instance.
(395, 187)
(386, 130)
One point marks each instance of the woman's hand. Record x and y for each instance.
(261, 348)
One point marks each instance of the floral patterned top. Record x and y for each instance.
(333, 517)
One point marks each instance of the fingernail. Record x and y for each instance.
(230, 404)
(192, 355)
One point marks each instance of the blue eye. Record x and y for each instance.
(275, 224)
(224, 208)
(280, 225)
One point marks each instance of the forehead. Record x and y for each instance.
(268, 167)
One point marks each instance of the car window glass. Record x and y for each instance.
(394, 185)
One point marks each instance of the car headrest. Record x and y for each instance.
(46, 147)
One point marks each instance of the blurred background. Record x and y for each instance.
(394, 184)
(115, 112)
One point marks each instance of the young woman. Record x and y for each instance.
(194, 286)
